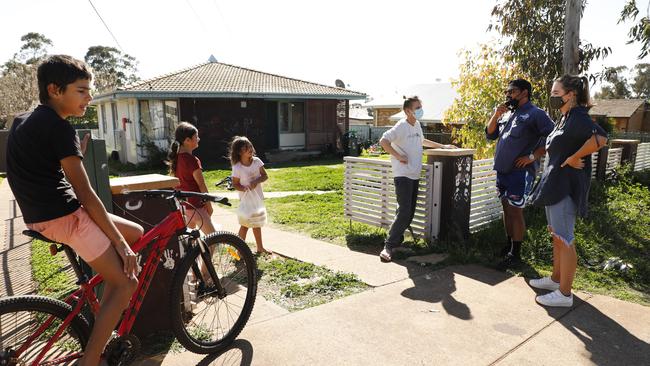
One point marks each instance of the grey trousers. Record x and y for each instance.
(406, 190)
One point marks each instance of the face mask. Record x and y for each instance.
(556, 101)
(512, 103)
(419, 113)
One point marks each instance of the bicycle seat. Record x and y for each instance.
(37, 235)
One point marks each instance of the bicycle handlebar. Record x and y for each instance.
(168, 193)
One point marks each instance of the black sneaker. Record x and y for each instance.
(509, 261)
(505, 250)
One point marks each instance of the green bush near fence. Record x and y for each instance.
(616, 232)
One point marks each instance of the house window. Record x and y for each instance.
(159, 118)
(103, 111)
(292, 117)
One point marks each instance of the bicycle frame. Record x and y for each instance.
(159, 235)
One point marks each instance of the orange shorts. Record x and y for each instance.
(78, 231)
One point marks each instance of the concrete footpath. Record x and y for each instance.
(15, 248)
(459, 315)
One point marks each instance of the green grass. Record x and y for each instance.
(297, 285)
(315, 175)
(321, 217)
(618, 226)
(48, 272)
(322, 175)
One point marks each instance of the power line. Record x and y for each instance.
(106, 25)
(205, 29)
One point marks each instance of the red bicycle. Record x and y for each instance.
(211, 296)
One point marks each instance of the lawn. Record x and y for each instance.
(311, 175)
(321, 216)
(296, 285)
(321, 175)
(617, 230)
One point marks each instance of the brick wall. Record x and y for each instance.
(382, 116)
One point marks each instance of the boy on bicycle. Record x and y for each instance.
(43, 150)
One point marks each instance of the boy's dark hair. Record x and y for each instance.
(238, 142)
(60, 70)
(408, 101)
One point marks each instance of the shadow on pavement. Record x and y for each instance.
(607, 341)
(239, 353)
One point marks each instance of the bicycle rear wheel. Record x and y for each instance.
(203, 320)
(22, 317)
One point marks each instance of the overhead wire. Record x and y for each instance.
(106, 25)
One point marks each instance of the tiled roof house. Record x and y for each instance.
(222, 100)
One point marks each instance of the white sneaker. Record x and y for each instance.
(555, 298)
(545, 283)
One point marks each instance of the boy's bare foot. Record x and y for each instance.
(264, 252)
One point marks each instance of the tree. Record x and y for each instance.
(534, 32)
(640, 31)
(112, 68)
(18, 83)
(641, 84)
(617, 85)
(484, 75)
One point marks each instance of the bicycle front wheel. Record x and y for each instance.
(27, 323)
(204, 318)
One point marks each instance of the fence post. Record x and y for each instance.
(456, 191)
(601, 165)
(630, 148)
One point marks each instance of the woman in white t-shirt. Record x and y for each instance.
(247, 175)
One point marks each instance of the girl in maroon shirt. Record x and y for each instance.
(187, 168)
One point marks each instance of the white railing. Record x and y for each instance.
(594, 164)
(369, 195)
(642, 157)
(484, 206)
(614, 159)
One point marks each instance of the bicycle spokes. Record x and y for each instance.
(217, 295)
(25, 336)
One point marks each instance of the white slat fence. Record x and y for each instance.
(642, 157)
(614, 159)
(369, 195)
(484, 206)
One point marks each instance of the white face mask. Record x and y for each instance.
(419, 113)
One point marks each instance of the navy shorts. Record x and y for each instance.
(515, 186)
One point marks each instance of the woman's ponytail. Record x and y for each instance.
(579, 85)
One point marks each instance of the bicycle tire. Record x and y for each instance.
(179, 314)
(13, 323)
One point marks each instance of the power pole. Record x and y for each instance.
(570, 57)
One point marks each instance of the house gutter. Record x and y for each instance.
(176, 94)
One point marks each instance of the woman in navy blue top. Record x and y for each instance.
(564, 186)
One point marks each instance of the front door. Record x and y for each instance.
(271, 126)
(291, 121)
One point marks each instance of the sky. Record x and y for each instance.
(372, 46)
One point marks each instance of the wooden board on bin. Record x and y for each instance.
(139, 182)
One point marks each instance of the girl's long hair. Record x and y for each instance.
(183, 131)
(236, 145)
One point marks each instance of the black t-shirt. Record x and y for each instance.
(37, 142)
(565, 140)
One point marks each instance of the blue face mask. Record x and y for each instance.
(419, 113)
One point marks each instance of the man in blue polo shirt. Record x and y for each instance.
(521, 129)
